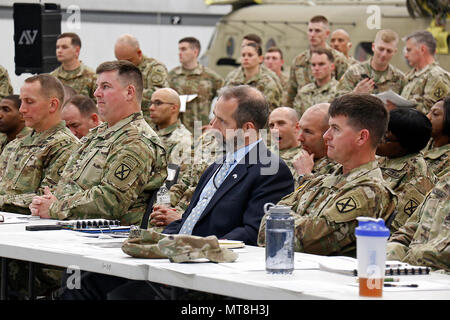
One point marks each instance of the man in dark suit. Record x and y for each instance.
(228, 201)
(252, 176)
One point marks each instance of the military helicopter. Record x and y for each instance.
(283, 23)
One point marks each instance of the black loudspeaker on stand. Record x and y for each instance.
(36, 27)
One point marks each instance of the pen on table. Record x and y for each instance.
(401, 285)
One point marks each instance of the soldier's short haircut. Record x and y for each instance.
(252, 105)
(325, 51)
(411, 127)
(319, 18)
(84, 104)
(50, 86)
(194, 43)
(128, 74)
(424, 37)
(276, 49)
(363, 111)
(446, 124)
(15, 99)
(256, 46)
(387, 36)
(254, 38)
(75, 39)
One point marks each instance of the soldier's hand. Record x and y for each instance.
(40, 205)
(390, 106)
(364, 86)
(162, 215)
(304, 163)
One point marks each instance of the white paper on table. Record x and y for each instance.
(185, 98)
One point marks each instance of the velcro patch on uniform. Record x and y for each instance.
(410, 206)
(123, 172)
(345, 205)
(439, 90)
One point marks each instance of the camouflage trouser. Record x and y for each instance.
(46, 279)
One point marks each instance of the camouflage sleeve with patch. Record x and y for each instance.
(130, 167)
(5, 84)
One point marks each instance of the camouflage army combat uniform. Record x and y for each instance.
(112, 174)
(82, 79)
(178, 142)
(325, 209)
(262, 81)
(4, 138)
(154, 76)
(411, 179)
(311, 94)
(426, 86)
(301, 74)
(424, 240)
(438, 159)
(322, 166)
(289, 156)
(390, 79)
(201, 81)
(6, 88)
(32, 162)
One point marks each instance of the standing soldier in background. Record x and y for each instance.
(301, 73)
(193, 78)
(273, 59)
(6, 88)
(376, 74)
(427, 82)
(323, 88)
(154, 72)
(340, 41)
(12, 124)
(72, 72)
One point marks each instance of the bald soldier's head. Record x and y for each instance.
(313, 124)
(127, 48)
(284, 120)
(340, 41)
(164, 107)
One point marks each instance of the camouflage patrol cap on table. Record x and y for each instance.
(178, 248)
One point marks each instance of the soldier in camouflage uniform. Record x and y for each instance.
(154, 72)
(403, 166)
(72, 72)
(424, 240)
(300, 72)
(119, 163)
(323, 89)
(312, 160)
(340, 41)
(427, 82)
(273, 60)
(192, 78)
(164, 111)
(37, 159)
(376, 74)
(325, 208)
(12, 125)
(34, 161)
(6, 88)
(250, 73)
(284, 128)
(437, 152)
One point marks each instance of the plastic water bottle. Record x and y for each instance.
(163, 196)
(279, 239)
(371, 238)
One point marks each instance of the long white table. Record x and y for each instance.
(245, 278)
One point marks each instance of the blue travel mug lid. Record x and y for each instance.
(370, 227)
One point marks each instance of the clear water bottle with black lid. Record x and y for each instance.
(279, 239)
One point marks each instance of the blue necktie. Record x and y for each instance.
(207, 193)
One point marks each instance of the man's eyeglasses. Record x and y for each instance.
(157, 103)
